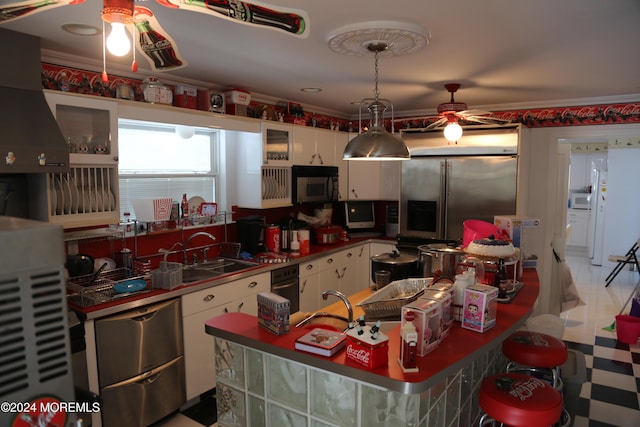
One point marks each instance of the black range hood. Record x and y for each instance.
(30, 139)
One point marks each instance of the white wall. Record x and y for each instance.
(545, 169)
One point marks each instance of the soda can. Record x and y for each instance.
(272, 238)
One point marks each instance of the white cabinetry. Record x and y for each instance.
(88, 194)
(373, 179)
(261, 183)
(276, 144)
(578, 221)
(314, 146)
(200, 306)
(342, 139)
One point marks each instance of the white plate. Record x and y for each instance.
(99, 202)
(75, 195)
(194, 204)
(112, 201)
(97, 263)
(54, 197)
(67, 195)
(59, 196)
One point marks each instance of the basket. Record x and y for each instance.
(388, 301)
(84, 291)
(168, 276)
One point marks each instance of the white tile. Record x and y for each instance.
(612, 379)
(612, 354)
(613, 414)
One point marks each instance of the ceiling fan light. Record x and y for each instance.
(118, 42)
(453, 132)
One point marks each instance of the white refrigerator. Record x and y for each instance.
(596, 220)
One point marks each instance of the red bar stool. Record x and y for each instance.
(535, 352)
(519, 400)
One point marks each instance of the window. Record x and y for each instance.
(164, 160)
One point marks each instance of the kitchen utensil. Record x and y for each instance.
(130, 286)
(401, 266)
(439, 259)
(383, 278)
(79, 265)
(328, 234)
(97, 263)
(97, 273)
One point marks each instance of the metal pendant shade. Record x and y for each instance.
(376, 143)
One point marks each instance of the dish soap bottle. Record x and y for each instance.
(408, 345)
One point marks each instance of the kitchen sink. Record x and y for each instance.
(214, 268)
(327, 320)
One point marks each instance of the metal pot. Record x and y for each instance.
(401, 266)
(328, 234)
(439, 259)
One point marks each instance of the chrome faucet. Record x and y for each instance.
(167, 252)
(344, 299)
(185, 245)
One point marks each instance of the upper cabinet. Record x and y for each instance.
(88, 194)
(315, 146)
(373, 179)
(90, 126)
(276, 144)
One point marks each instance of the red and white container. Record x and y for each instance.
(236, 101)
(272, 238)
(365, 350)
(185, 97)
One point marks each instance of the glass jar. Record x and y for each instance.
(156, 92)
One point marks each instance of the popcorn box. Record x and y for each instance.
(427, 321)
(151, 210)
(185, 96)
(273, 312)
(479, 307)
(445, 299)
(365, 350)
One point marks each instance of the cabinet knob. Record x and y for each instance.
(208, 298)
(253, 284)
(330, 260)
(309, 267)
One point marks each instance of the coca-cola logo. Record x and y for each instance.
(360, 355)
(526, 389)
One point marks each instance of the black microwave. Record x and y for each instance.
(314, 184)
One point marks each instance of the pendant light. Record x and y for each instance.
(376, 143)
(118, 13)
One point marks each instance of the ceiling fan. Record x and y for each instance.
(150, 38)
(452, 112)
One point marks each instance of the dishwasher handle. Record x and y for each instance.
(284, 285)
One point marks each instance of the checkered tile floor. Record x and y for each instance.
(611, 394)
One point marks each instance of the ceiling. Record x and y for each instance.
(506, 54)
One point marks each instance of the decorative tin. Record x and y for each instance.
(273, 312)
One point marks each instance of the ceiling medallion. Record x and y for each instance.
(400, 38)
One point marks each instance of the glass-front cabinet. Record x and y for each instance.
(88, 194)
(276, 144)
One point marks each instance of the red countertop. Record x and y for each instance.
(460, 348)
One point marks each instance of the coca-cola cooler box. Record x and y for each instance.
(237, 101)
(211, 100)
(185, 97)
(366, 348)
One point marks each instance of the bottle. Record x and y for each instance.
(501, 279)
(185, 206)
(157, 47)
(241, 11)
(408, 344)
(295, 244)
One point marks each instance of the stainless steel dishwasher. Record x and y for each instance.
(141, 364)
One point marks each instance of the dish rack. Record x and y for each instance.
(84, 291)
(388, 301)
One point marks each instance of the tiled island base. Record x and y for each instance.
(258, 389)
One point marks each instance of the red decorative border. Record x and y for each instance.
(87, 82)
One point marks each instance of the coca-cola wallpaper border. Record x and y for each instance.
(66, 79)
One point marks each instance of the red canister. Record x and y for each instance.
(272, 238)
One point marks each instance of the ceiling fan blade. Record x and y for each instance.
(486, 120)
(292, 21)
(160, 50)
(437, 123)
(13, 11)
(474, 113)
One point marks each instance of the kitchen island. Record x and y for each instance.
(263, 380)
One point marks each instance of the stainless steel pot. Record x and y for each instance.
(328, 235)
(401, 266)
(439, 259)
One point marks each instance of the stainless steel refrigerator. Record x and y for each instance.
(445, 184)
